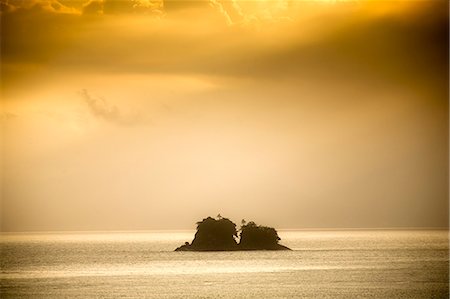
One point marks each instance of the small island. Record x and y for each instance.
(221, 235)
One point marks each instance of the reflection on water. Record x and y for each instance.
(375, 264)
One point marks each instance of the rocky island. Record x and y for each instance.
(221, 235)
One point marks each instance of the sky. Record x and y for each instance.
(149, 115)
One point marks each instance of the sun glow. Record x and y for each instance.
(308, 109)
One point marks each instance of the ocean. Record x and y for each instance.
(322, 264)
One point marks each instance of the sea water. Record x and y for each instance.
(322, 264)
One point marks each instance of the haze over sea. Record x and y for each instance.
(323, 264)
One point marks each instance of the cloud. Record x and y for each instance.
(358, 42)
(132, 6)
(152, 5)
(101, 109)
(234, 12)
(94, 7)
(219, 6)
(5, 116)
(36, 6)
(252, 13)
(83, 6)
(172, 6)
(6, 7)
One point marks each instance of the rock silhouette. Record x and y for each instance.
(221, 235)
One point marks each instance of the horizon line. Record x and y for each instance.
(192, 230)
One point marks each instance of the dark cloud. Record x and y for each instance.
(179, 5)
(132, 7)
(408, 48)
(416, 38)
(93, 7)
(5, 7)
(83, 6)
(102, 109)
(409, 51)
(36, 6)
(5, 116)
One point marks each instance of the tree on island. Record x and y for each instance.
(253, 236)
(215, 234)
(220, 234)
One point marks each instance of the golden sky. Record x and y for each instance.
(143, 114)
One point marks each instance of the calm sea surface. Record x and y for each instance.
(332, 264)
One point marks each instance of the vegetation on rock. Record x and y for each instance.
(253, 236)
(215, 234)
(220, 235)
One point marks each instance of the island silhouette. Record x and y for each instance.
(221, 235)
